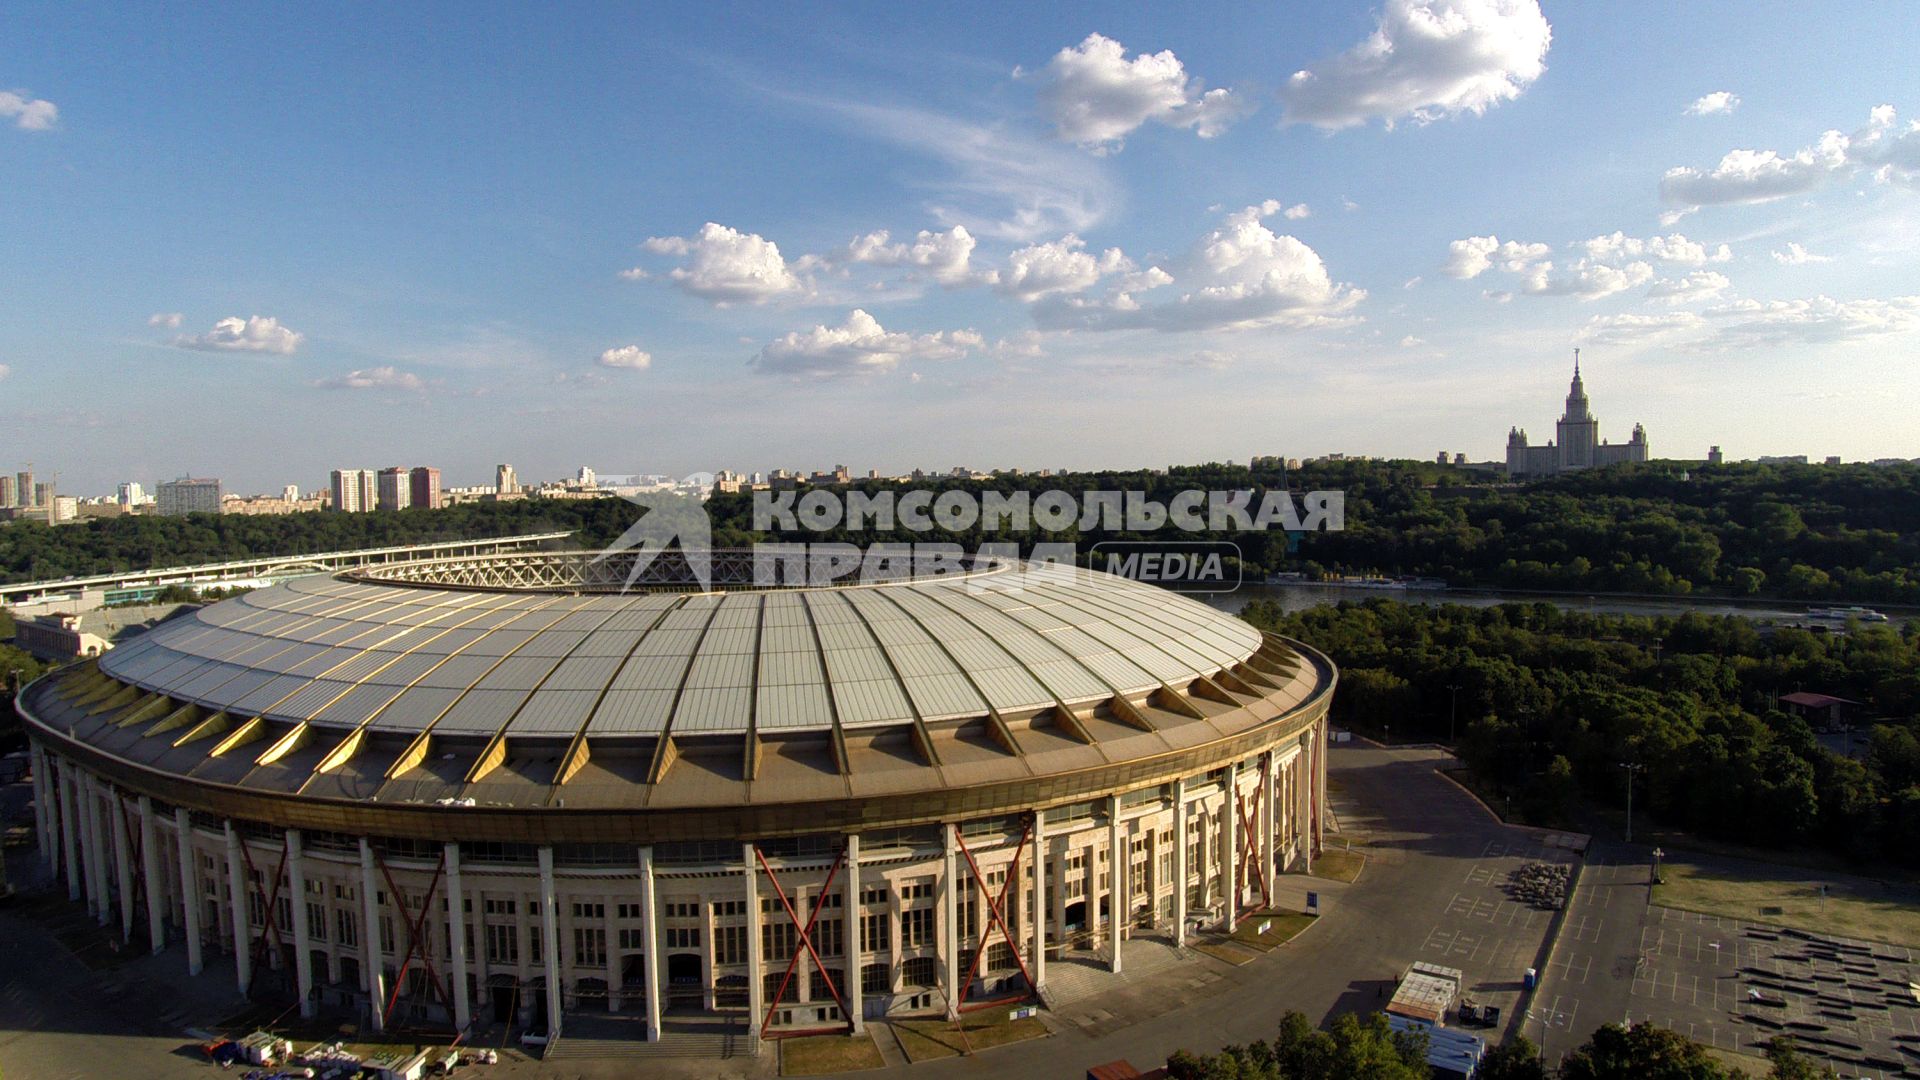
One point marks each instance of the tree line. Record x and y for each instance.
(1802, 532)
(1545, 704)
(1366, 1048)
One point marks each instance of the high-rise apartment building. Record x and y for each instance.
(504, 481)
(7, 497)
(187, 495)
(42, 496)
(353, 490)
(396, 488)
(425, 485)
(291, 493)
(23, 487)
(132, 494)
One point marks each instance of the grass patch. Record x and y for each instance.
(820, 1055)
(1281, 927)
(1788, 896)
(1232, 954)
(1336, 865)
(924, 1040)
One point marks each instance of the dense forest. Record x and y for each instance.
(1549, 703)
(1802, 532)
(1356, 1048)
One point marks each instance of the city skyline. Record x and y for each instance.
(654, 245)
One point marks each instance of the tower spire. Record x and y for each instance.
(1576, 362)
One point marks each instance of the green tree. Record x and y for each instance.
(1640, 1052)
(1789, 1064)
(1516, 1059)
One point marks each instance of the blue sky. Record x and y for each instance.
(263, 243)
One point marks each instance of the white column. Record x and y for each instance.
(1039, 899)
(189, 890)
(1267, 819)
(45, 817)
(651, 958)
(372, 978)
(550, 938)
(237, 897)
(1117, 856)
(851, 968)
(70, 832)
(756, 993)
(302, 933)
(1320, 781)
(1179, 863)
(949, 937)
(457, 938)
(150, 874)
(1231, 814)
(122, 859)
(94, 853)
(611, 952)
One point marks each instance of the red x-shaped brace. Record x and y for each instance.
(416, 941)
(269, 900)
(806, 938)
(994, 907)
(1252, 852)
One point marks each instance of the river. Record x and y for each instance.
(1303, 596)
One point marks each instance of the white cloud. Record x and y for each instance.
(1633, 329)
(28, 113)
(1607, 264)
(1296, 212)
(258, 333)
(1425, 60)
(1697, 286)
(859, 346)
(995, 181)
(1795, 255)
(1096, 97)
(1720, 101)
(169, 320)
(947, 257)
(630, 357)
(380, 378)
(1751, 324)
(1815, 320)
(727, 266)
(1244, 276)
(1585, 279)
(1674, 249)
(1473, 256)
(1060, 266)
(5, 371)
(1410, 342)
(1891, 151)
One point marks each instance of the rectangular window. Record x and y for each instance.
(875, 932)
(349, 935)
(386, 934)
(630, 911)
(830, 937)
(916, 928)
(317, 921)
(683, 937)
(589, 911)
(683, 911)
(502, 907)
(729, 944)
(777, 941)
(874, 895)
(534, 942)
(503, 944)
(632, 939)
(589, 946)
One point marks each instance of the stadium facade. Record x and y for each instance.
(810, 805)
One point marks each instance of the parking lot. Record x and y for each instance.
(1723, 982)
(1488, 934)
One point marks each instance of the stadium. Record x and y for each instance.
(788, 807)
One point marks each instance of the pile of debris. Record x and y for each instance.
(1543, 885)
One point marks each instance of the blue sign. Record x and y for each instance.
(1313, 902)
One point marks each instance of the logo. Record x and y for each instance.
(1202, 566)
(668, 521)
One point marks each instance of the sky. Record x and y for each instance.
(263, 242)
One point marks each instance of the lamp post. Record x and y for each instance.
(1453, 708)
(1631, 767)
(1657, 853)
